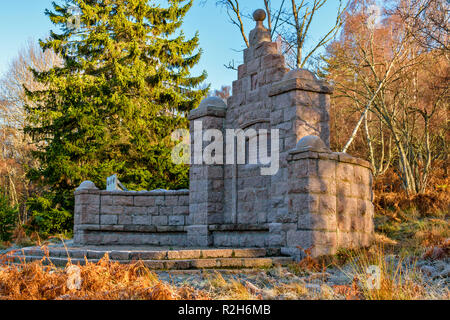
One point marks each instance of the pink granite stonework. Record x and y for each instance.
(317, 198)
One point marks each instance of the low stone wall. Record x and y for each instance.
(126, 217)
(330, 197)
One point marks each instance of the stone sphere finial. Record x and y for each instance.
(259, 15)
(313, 143)
(212, 102)
(87, 185)
(260, 33)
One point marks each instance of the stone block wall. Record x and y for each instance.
(330, 195)
(247, 196)
(126, 217)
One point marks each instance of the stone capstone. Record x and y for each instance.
(87, 185)
(300, 74)
(311, 143)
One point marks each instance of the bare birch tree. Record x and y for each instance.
(387, 75)
(289, 22)
(299, 22)
(15, 145)
(427, 21)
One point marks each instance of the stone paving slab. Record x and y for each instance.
(184, 264)
(145, 254)
(155, 258)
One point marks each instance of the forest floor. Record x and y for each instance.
(410, 256)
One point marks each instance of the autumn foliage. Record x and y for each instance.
(104, 280)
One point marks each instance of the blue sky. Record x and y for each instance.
(22, 20)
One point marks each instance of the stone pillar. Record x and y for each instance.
(301, 105)
(87, 210)
(330, 194)
(206, 190)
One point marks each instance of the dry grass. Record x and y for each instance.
(438, 251)
(436, 235)
(221, 289)
(296, 290)
(233, 289)
(392, 201)
(397, 279)
(413, 223)
(413, 235)
(20, 238)
(349, 292)
(104, 280)
(307, 264)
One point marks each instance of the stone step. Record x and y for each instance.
(183, 264)
(129, 255)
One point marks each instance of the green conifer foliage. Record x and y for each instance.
(124, 87)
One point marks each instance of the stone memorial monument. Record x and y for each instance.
(314, 198)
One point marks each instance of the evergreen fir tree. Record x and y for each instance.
(125, 86)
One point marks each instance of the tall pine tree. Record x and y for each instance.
(125, 86)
